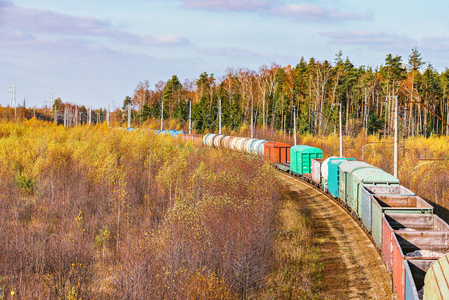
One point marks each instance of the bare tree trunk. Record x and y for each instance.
(425, 112)
(347, 116)
(365, 114)
(447, 111)
(420, 120)
(282, 113)
(410, 128)
(335, 88)
(272, 112)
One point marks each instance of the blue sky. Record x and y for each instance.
(96, 52)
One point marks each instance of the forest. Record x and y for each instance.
(312, 92)
(100, 213)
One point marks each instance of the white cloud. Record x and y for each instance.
(169, 39)
(23, 20)
(227, 5)
(439, 44)
(316, 13)
(371, 39)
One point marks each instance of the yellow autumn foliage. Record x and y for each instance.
(145, 215)
(423, 162)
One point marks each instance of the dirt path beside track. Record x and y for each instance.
(353, 269)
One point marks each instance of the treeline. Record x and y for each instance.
(310, 90)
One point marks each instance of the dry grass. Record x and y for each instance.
(297, 269)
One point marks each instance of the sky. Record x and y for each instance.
(96, 52)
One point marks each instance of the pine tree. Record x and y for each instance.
(171, 96)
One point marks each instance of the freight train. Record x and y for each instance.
(410, 238)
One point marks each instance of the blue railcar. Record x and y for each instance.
(415, 272)
(173, 133)
(333, 177)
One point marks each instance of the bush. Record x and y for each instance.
(94, 212)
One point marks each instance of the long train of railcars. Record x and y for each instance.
(402, 226)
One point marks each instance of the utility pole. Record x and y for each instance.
(252, 117)
(11, 103)
(107, 114)
(294, 123)
(340, 125)
(190, 117)
(162, 116)
(396, 139)
(13, 99)
(90, 115)
(341, 131)
(219, 116)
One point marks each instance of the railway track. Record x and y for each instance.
(353, 268)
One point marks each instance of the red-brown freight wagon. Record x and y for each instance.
(405, 243)
(197, 139)
(277, 152)
(406, 223)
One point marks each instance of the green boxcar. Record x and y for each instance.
(407, 242)
(394, 205)
(301, 158)
(345, 185)
(371, 176)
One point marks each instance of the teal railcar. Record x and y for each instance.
(301, 158)
(333, 176)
